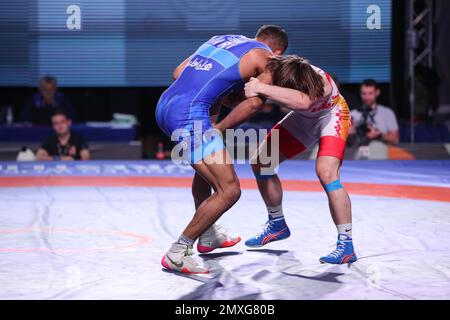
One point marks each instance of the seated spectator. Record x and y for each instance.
(63, 144)
(374, 125)
(40, 106)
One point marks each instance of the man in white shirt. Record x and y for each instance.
(374, 125)
(381, 122)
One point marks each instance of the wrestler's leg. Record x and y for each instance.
(215, 236)
(279, 145)
(328, 169)
(221, 176)
(328, 164)
(201, 190)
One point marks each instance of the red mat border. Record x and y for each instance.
(369, 189)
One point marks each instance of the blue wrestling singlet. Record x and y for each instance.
(212, 72)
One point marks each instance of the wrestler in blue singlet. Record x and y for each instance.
(212, 72)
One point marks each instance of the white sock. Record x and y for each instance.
(275, 212)
(345, 228)
(185, 240)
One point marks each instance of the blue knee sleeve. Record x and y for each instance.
(259, 176)
(333, 186)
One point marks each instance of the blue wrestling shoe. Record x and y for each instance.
(344, 252)
(274, 230)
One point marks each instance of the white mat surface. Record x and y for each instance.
(106, 243)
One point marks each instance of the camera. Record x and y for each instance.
(363, 128)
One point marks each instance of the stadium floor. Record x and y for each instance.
(98, 231)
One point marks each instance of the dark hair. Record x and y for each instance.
(60, 112)
(370, 83)
(48, 79)
(296, 73)
(275, 34)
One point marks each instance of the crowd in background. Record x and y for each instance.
(374, 126)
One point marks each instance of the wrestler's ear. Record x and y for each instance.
(278, 52)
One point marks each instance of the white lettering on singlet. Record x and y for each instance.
(200, 64)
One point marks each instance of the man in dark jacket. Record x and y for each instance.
(40, 107)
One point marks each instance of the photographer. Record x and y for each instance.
(373, 125)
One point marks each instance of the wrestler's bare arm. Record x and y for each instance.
(176, 73)
(250, 106)
(292, 99)
(243, 111)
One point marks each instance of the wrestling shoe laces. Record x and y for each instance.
(273, 230)
(339, 251)
(179, 258)
(267, 227)
(344, 252)
(265, 230)
(188, 256)
(189, 251)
